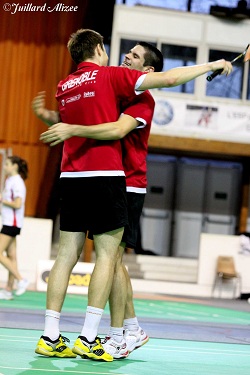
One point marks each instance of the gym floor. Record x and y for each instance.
(188, 336)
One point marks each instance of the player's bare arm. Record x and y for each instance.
(181, 75)
(108, 131)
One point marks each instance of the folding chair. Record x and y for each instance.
(226, 272)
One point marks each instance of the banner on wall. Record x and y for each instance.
(78, 281)
(216, 121)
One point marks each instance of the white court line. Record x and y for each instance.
(192, 311)
(183, 349)
(18, 340)
(17, 336)
(236, 354)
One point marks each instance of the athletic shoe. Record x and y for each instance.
(92, 350)
(21, 287)
(118, 350)
(135, 339)
(57, 348)
(5, 294)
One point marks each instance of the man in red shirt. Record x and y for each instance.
(145, 58)
(93, 95)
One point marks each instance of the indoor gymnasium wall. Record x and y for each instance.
(33, 58)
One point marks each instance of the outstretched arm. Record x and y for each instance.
(47, 116)
(181, 75)
(108, 131)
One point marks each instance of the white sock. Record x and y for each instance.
(91, 323)
(52, 320)
(131, 324)
(116, 333)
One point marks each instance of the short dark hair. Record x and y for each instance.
(153, 56)
(82, 44)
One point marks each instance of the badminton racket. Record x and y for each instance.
(245, 55)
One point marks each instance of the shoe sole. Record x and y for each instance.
(122, 357)
(78, 351)
(18, 294)
(94, 357)
(53, 354)
(85, 355)
(44, 352)
(139, 346)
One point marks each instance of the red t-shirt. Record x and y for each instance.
(89, 96)
(135, 144)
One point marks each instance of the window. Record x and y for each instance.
(222, 86)
(248, 83)
(176, 56)
(173, 56)
(179, 53)
(197, 6)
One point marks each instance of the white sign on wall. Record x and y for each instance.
(79, 278)
(178, 117)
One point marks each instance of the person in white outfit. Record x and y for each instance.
(12, 211)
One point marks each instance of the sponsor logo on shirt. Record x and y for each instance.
(85, 77)
(73, 98)
(88, 94)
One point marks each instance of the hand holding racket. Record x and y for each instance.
(245, 55)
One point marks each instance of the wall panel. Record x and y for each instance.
(33, 57)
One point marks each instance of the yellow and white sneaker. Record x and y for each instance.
(93, 350)
(57, 348)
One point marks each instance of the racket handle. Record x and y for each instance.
(214, 74)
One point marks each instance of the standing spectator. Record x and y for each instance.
(13, 207)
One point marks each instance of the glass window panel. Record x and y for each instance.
(248, 85)
(171, 4)
(175, 56)
(222, 86)
(107, 47)
(197, 6)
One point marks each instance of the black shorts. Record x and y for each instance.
(10, 231)
(97, 204)
(135, 206)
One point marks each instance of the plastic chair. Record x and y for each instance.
(226, 271)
